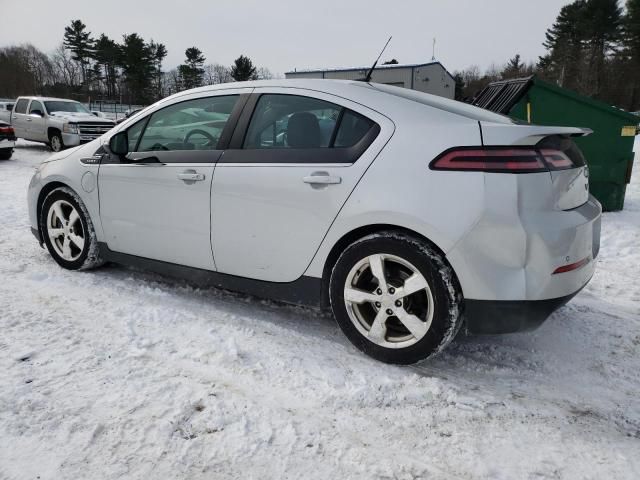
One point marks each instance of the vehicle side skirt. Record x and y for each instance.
(304, 291)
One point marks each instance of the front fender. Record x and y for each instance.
(69, 171)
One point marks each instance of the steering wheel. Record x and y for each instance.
(211, 138)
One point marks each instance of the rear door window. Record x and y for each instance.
(353, 127)
(291, 121)
(21, 105)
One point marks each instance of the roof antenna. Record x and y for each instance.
(367, 79)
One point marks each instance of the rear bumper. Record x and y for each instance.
(509, 316)
(511, 254)
(7, 144)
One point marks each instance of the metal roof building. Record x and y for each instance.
(429, 77)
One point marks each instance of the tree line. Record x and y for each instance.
(85, 67)
(593, 48)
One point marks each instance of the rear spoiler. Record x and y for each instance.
(512, 134)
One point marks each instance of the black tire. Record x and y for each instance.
(6, 154)
(55, 141)
(446, 294)
(89, 256)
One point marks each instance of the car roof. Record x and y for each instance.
(47, 99)
(367, 94)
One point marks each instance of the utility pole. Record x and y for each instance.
(433, 56)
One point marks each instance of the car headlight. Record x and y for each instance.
(70, 128)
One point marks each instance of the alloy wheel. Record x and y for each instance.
(65, 230)
(389, 301)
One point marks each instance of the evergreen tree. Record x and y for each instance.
(514, 68)
(106, 55)
(137, 67)
(602, 22)
(191, 71)
(243, 69)
(564, 44)
(631, 58)
(78, 40)
(158, 54)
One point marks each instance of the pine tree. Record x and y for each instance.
(514, 68)
(158, 54)
(78, 40)
(564, 42)
(243, 69)
(602, 22)
(631, 26)
(192, 71)
(106, 55)
(137, 67)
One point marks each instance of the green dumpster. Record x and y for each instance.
(608, 151)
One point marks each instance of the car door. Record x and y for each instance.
(36, 123)
(19, 118)
(294, 159)
(155, 202)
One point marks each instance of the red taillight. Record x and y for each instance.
(502, 160)
(556, 159)
(572, 266)
(6, 130)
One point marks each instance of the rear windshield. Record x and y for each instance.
(441, 103)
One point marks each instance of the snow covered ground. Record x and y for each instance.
(117, 373)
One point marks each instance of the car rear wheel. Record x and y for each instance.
(55, 141)
(395, 298)
(6, 154)
(68, 232)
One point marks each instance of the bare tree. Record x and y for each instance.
(66, 70)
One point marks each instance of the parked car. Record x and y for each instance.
(5, 111)
(57, 122)
(129, 114)
(7, 140)
(407, 214)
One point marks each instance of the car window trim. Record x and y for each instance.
(323, 155)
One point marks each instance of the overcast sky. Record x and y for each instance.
(287, 34)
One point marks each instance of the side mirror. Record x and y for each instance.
(37, 112)
(119, 144)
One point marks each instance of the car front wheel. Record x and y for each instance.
(55, 141)
(68, 232)
(395, 298)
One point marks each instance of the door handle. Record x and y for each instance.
(322, 178)
(190, 176)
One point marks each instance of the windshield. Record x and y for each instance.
(62, 106)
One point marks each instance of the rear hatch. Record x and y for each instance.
(560, 155)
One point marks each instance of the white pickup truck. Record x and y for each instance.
(57, 122)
